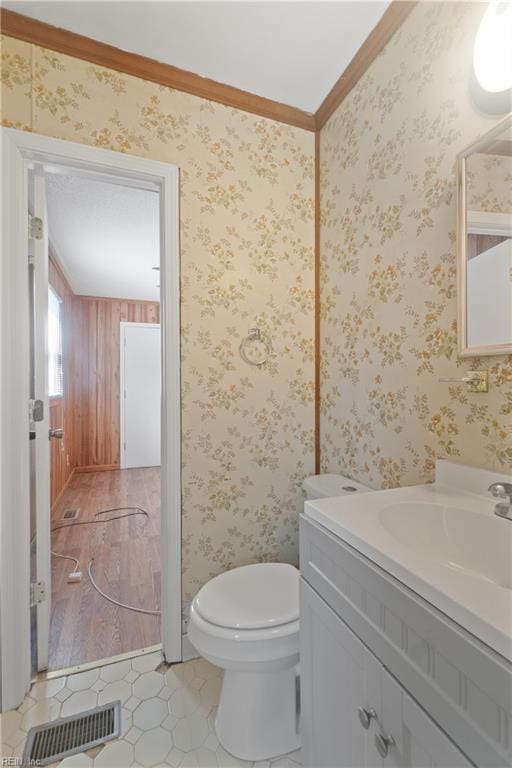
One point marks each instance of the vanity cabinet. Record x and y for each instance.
(354, 713)
(370, 643)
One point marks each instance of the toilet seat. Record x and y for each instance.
(253, 597)
(243, 635)
(238, 648)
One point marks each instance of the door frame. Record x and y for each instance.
(20, 149)
(122, 325)
(41, 532)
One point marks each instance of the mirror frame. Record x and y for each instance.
(462, 341)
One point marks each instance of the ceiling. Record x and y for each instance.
(291, 52)
(105, 237)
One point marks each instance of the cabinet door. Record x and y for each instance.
(418, 741)
(338, 676)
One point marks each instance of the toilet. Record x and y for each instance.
(246, 621)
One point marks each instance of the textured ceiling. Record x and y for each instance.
(105, 236)
(292, 52)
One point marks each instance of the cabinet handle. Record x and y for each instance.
(365, 716)
(383, 743)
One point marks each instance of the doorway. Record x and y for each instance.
(110, 519)
(103, 252)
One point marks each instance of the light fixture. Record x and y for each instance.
(491, 82)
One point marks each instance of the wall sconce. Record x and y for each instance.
(491, 79)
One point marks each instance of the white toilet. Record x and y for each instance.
(247, 621)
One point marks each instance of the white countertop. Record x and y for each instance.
(441, 542)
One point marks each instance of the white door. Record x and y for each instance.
(41, 471)
(140, 395)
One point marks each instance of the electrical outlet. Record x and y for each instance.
(480, 381)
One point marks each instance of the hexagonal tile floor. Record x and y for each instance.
(167, 716)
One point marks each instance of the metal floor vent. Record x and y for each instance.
(56, 740)
(70, 514)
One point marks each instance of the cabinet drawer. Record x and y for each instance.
(463, 684)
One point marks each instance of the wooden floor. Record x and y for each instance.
(84, 626)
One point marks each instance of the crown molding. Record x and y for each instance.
(391, 21)
(81, 47)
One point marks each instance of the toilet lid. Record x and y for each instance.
(251, 597)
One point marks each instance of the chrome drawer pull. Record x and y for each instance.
(365, 716)
(383, 743)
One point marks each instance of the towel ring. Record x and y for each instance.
(255, 349)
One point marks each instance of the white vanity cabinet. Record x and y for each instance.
(354, 713)
(370, 643)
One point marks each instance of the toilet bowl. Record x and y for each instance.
(246, 621)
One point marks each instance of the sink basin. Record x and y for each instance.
(441, 540)
(456, 538)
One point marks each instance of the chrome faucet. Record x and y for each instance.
(502, 491)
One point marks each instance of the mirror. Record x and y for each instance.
(485, 244)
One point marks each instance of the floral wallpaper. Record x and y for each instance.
(489, 183)
(247, 258)
(388, 265)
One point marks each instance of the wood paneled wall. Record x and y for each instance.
(61, 408)
(89, 410)
(95, 375)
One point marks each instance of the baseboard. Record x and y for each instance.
(54, 505)
(98, 468)
(188, 651)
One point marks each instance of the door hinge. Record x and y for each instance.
(37, 593)
(35, 410)
(35, 228)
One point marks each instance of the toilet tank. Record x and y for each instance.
(327, 486)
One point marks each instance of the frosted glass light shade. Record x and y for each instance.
(492, 55)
